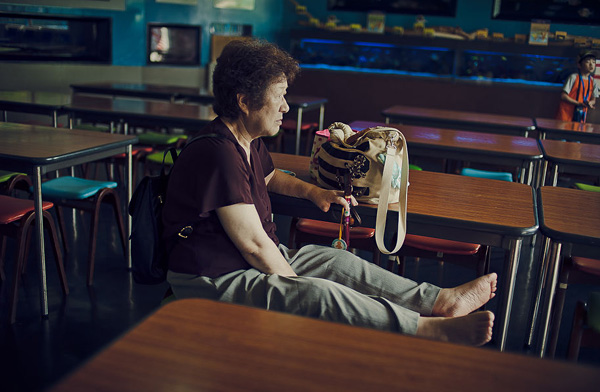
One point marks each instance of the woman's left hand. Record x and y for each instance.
(323, 198)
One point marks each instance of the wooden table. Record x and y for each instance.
(570, 219)
(145, 90)
(139, 112)
(469, 121)
(37, 150)
(34, 102)
(459, 208)
(516, 151)
(556, 129)
(201, 96)
(570, 157)
(202, 345)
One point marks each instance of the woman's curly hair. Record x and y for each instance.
(249, 67)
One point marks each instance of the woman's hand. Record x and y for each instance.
(323, 198)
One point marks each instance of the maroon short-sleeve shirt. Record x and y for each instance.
(211, 173)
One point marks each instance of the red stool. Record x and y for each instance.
(474, 256)
(16, 217)
(303, 231)
(574, 270)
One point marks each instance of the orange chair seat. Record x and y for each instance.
(590, 266)
(13, 209)
(332, 230)
(290, 125)
(440, 245)
(135, 151)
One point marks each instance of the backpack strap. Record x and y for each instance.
(187, 230)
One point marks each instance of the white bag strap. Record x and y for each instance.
(384, 196)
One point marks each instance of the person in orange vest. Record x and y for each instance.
(579, 91)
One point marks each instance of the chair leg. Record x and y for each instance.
(58, 259)
(576, 331)
(92, 242)
(376, 256)
(559, 302)
(2, 258)
(61, 225)
(116, 203)
(483, 262)
(401, 260)
(24, 225)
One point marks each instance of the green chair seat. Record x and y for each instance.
(7, 175)
(159, 139)
(587, 187)
(414, 167)
(157, 157)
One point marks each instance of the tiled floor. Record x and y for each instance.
(36, 353)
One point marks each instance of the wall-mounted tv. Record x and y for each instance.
(36, 37)
(173, 44)
(425, 7)
(583, 12)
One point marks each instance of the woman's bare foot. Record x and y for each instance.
(473, 329)
(466, 298)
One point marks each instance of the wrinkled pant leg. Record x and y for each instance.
(303, 296)
(367, 278)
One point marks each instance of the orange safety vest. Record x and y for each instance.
(565, 109)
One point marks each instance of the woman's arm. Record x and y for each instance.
(284, 184)
(242, 224)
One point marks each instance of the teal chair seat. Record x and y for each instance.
(86, 195)
(73, 188)
(492, 175)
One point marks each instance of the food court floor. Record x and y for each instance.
(35, 353)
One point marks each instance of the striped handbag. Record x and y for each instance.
(377, 159)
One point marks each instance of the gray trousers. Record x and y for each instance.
(332, 285)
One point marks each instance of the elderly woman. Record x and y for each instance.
(220, 186)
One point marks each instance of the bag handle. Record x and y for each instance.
(382, 208)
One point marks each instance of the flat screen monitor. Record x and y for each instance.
(172, 44)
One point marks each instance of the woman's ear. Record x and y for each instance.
(242, 101)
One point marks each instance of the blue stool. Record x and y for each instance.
(492, 175)
(86, 195)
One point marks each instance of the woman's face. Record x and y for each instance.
(267, 120)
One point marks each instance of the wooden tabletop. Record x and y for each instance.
(475, 204)
(39, 145)
(170, 92)
(304, 102)
(552, 128)
(570, 215)
(571, 152)
(35, 98)
(140, 90)
(490, 144)
(480, 122)
(201, 345)
(139, 110)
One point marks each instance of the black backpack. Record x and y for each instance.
(149, 251)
